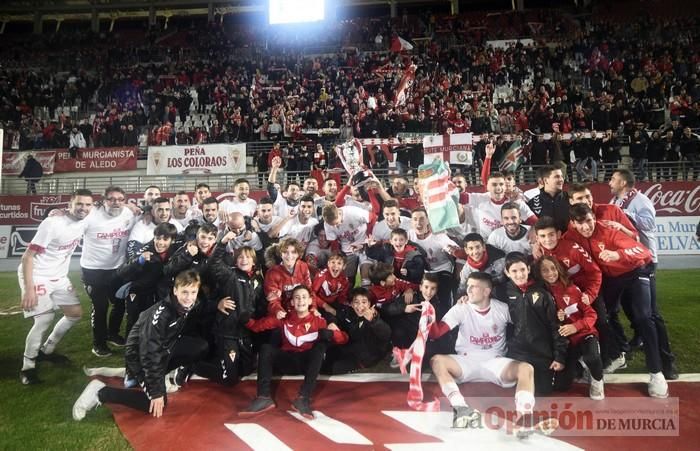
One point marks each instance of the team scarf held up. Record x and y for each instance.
(414, 356)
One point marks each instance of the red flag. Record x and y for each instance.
(399, 44)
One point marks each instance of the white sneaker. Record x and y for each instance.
(619, 363)
(597, 390)
(87, 400)
(658, 387)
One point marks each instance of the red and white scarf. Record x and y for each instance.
(624, 202)
(414, 357)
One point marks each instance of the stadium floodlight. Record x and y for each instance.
(296, 11)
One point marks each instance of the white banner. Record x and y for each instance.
(197, 159)
(675, 235)
(5, 232)
(453, 148)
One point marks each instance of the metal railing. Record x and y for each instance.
(527, 174)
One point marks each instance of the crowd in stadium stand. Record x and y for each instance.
(587, 75)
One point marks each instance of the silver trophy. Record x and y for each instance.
(350, 154)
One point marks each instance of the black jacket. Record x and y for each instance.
(147, 277)
(150, 343)
(369, 340)
(244, 290)
(535, 333)
(32, 170)
(415, 262)
(556, 207)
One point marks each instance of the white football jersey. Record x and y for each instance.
(351, 230)
(482, 335)
(302, 232)
(487, 213)
(500, 239)
(104, 244)
(246, 208)
(382, 232)
(54, 244)
(434, 246)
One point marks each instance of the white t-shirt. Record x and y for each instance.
(434, 246)
(266, 227)
(482, 335)
(487, 213)
(143, 233)
(239, 242)
(193, 213)
(382, 232)
(282, 209)
(302, 232)
(351, 230)
(104, 244)
(54, 244)
(246, 208)
(500, 239)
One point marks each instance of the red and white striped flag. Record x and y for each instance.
(399, 44)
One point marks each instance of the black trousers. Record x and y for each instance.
(186, 352)
(234, 359)
(667, 357)
(633, 291)
(135, 304)
(589, 350)
(101, 286)
(274, 360)
(609, 346)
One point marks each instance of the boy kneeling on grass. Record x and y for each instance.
(154, 347)
(305, 337)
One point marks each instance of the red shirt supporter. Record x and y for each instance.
(582, 270)
(382, 294)
(613, 251)
(279, 283)
(579, 265)
(331, 289)
(299, 334)
(580, 315)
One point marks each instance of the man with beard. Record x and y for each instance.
(392, 221)
(241, 202)
(183, 213)
(142, 232)
(104, 250)
(286, 201)
(299, 226)
(330, 191)
(513, 235)
(210, 212)
(43, 280)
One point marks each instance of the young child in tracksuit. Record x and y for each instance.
(386, 286)
(535, 338)
(145, 272)
(305, 337)
(331, 285)
(578, 325)
(368, 336)
(154, 347)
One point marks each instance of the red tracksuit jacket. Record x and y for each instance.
(632, 253)
(383, 294)
(329, 289)
(278, 279)
(582, 270)
(582, 316)
(299, 334)
(610, 212)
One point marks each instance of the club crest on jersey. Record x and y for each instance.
(601, 246)
(567, 262)
(307, 326)
(232, 355)
(132, 296)
(535, 297)
(567, 299)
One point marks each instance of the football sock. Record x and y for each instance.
(524, 402)
(453, 395)
(59, 330)
(33, 342)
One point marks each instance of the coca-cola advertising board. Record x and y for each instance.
(677, 209)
